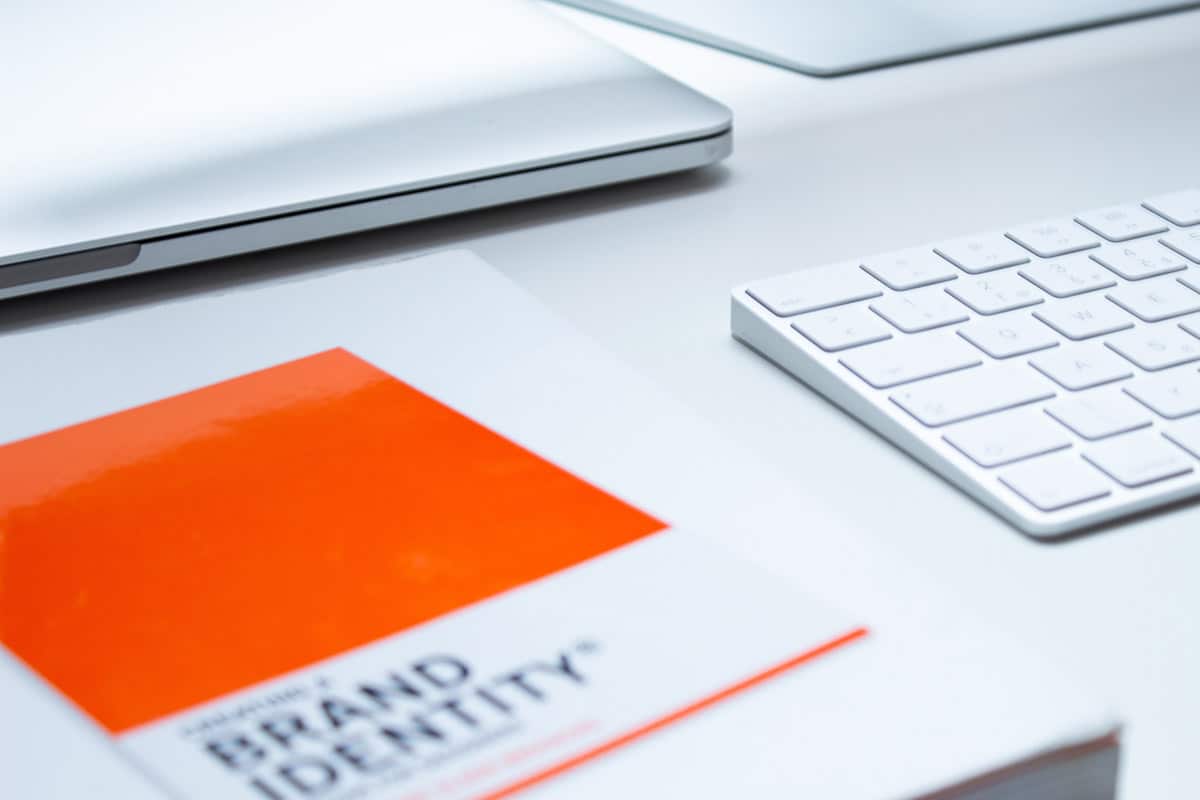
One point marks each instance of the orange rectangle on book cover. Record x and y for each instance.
(170, 554)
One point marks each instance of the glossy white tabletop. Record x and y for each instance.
(830, 169)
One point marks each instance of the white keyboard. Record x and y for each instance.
(1051, 370)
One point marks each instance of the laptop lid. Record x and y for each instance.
(140, 121)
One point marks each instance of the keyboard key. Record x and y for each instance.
(1186, 243)
(1070, 275)
(1158, 299)
(813, 289)
(1191, 279)
(1055, 237)
(1136, 261)
(977, 254)
(1081, 366)
(899, 361)
(1007, 437)
(1099, 414)
(909, 269)
(952, 398)
(1171, 394)
(1181, 208)
(1119, 223)
(920, 309)
(1137, 459)
(1186, 434)
(1009, 335)
(992, 294)
(842, 328)
(1156, 347)
(1192, 326)
(1084, 317)
(1056, 481)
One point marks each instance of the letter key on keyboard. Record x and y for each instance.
(920, 309)
(1136, 459)
(814, 289)
(900, 361)
(975, 254)
(1186, 434)
(1055, 237)
(1056, 482)
(1156, 348)
(1008, 335)
(1081, 366)
(1084, 317)
(1099, 414)
(1120, 223)
(1186, 243)
(909, 269)
(1178, 208)
(992, 294)
(1069, 275)
(1171, 394)
(1136, 261)
(841, 328)
(1156, 299)
(951, 398)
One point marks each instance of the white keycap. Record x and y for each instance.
(1084, 317)
(909, 269)
(1171, 394)
(891, 363)
(1192, 326)
(992, 294)
(920, 309)
(977, 254)
(1135, 261)
(1156, 347)
(1099, 414)
(1181, 208)
(1054, 237)
(840, 328)
(1137, 459)
(1069, 275)
(1007, 437)
(951, 398)
(1118, 223)
(1056, 481)
(1190, 278)
(1158, 299)
(1082, 366)
(1186, 434)
(813, 289)
(1186, 243)
(1008, 335)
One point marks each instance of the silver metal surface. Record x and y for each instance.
(819, 37)
(199, 131)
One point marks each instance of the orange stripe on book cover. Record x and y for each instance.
(675, 716)
(167, 555)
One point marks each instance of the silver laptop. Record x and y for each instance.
(144, 135)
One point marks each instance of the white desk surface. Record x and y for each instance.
(831, 169)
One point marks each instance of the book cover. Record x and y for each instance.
(315, 580)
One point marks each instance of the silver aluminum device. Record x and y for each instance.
(144, 135)
(836, 37)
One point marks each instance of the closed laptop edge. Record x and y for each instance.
(569, 114)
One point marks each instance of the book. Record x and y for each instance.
(398, 532)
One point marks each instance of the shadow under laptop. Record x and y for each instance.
(399, 241)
